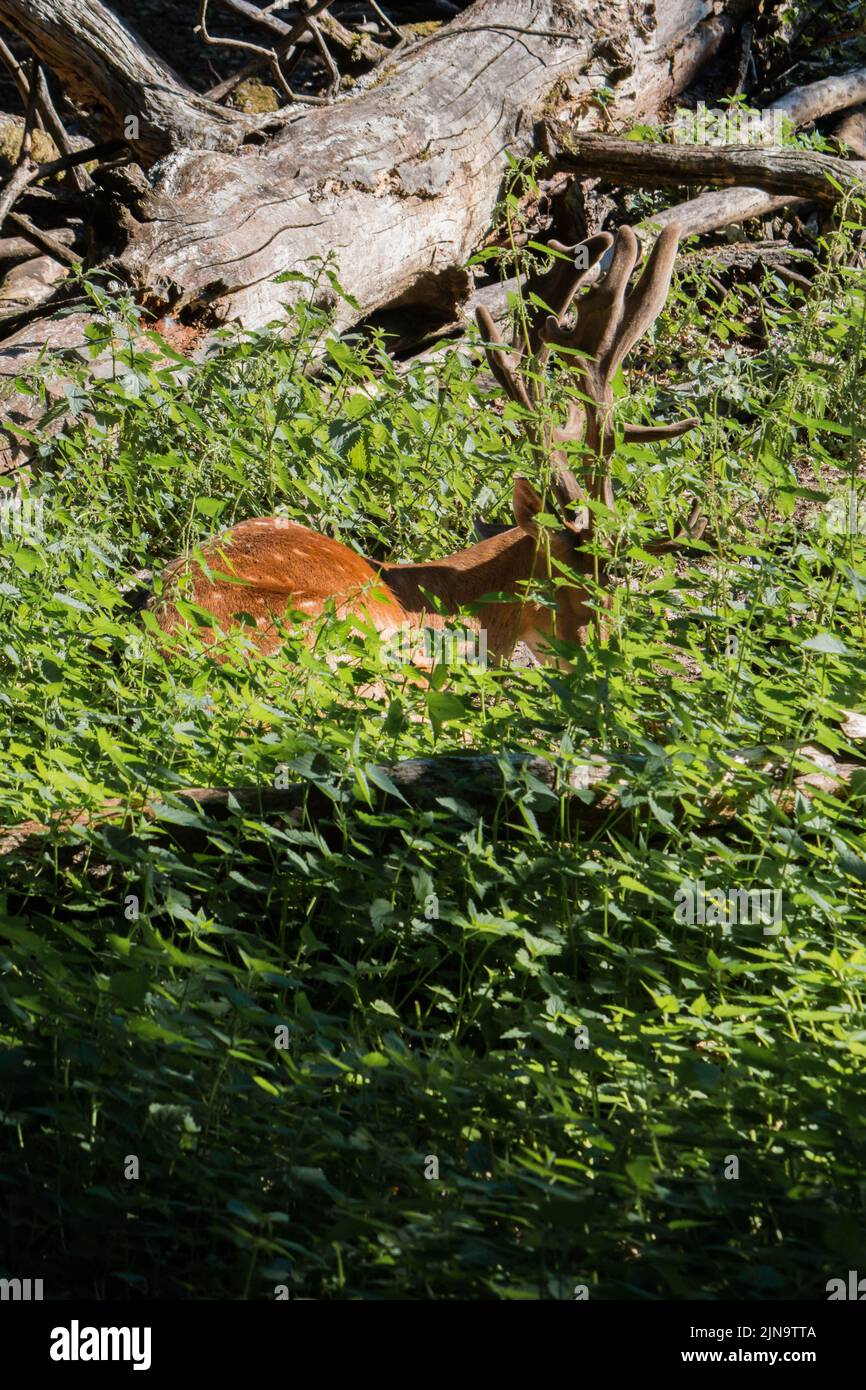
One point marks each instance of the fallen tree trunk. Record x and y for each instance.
(851, 131)
(589, 790)
(399, 182)
(416, 161)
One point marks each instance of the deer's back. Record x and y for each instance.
(267, 566)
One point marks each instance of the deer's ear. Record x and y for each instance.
(526, 504)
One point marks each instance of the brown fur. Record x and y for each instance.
(269, 566)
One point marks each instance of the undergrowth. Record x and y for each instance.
(439, 1053)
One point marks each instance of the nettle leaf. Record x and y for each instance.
(383, 1007)
(826, 642)
(345, 435)
(210, 506)
(640, 1170)
(849, 862)
(380, 779)
(444, 708)
(858, 581)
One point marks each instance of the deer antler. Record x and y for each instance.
(692, 531)
(608, 323)
(555, 290)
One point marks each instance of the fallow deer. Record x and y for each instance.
(267, 567)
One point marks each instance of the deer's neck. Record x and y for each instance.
(496, 565)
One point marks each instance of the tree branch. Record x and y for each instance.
(284, 48)
(44, 240)
(27, 172)
(792, 172)
(106, 68)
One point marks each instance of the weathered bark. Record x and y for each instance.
(398, 182)
(415, 162)
(103, 64)
(30, 282)
(746, 255)
(20, 248)
(726, 207)
(817, 99)
(851, 131)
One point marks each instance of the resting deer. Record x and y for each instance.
(268, 567)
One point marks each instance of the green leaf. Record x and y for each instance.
(380, 779)
(383, 1007)
(826, 642)
(444, 708)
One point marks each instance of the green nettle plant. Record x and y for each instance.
(451, 1051)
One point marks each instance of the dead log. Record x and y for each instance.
(851, 131)
(21, 248)
(793, 172)
(29, 283)
(709, 212)
(809, 103)
(108, 69)
(415, 160)
(482, 781)
(745, 256)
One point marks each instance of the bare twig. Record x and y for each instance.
(285, 49)
(354, 44)
(746, 59)
(89, 154)
(326, 55)
(285, 34)
(786, 273)
(389, 24)
(45, 108)
(289, 38)
(23, 172)
(58, 132)
(14, 188)
(26, 154)
(27, 173)
(266, 53)
(7, 57)
(20, 248)
(44, 240)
